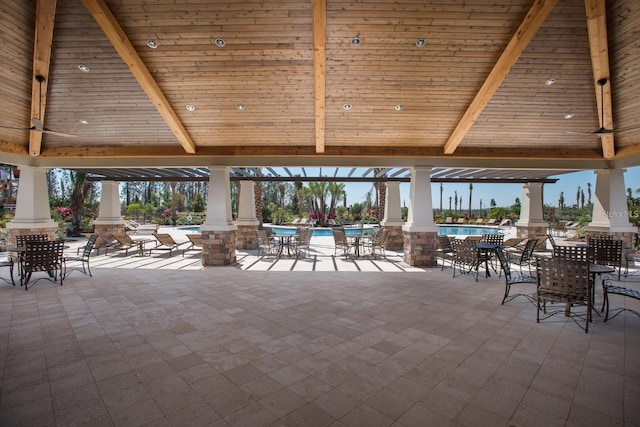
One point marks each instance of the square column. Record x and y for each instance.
(420, 233)
(247, 221)
(531, 224)
(109, 219)
(392, 220)
(610, 209)
(219, 231)
(33, 213)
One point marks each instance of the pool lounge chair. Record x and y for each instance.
(449, 220)
(479, 221)
(195, 240)
(461, 220)
(166, 243)
(125, 242)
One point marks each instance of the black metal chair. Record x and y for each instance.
(515, 280)
(82, 258)
(525, 256)
(42, 257)
(468, 258)
(8, 262)
(445, 249)
(563, 281)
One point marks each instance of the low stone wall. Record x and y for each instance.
(395, 239)
(50, 232)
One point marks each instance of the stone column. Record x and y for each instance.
(33, 214)
(420, 232)
(610, 209)
(531, 224)
(392, 220)
(109, 219)
(247, 221)
(219, 231)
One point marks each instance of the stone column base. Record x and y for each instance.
(395, 240)
(219, 247)
(536, 232)
(420, 248)
(49, 231)
(106, 230)
(246, 238)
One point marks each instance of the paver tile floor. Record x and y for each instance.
(163, 341)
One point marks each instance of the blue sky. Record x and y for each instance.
(504, 194)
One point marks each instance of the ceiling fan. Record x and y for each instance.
(37, 124)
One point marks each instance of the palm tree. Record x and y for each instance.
(578, 198)
(470, 193)
(455, 196)
(449, 202)
(337, 192)
(588, 193)
(441, 189)
(561, 201)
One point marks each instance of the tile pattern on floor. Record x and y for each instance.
(163, 341)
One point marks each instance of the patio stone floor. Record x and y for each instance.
(318, 342)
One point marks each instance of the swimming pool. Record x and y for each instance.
(450, 230)
(466, 230)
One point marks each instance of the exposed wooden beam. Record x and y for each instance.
(302, 152)
(319, 68)
(518, 43)
(43, 38)
(598, 44)
(116, 35)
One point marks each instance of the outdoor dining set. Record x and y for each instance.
(556, 279)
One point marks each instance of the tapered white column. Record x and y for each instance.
(219, 216)
(531, 214)
(109, 212)
(392, 207)
(246, 204)
(32, 204)
(420, 217)
(420, 233)
(610, 208)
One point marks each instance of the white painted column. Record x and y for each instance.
(219, 216)
(392, 207)
(420, 217)
(32, 204)
(109, 212)
(610, 208)
(531, 214)
(247, 204)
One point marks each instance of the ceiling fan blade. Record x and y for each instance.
(50, 132)
(38, 127)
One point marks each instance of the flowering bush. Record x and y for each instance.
(64, 212)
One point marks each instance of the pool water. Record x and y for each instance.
(450, 230)
(465, 230)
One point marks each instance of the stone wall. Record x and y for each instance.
(219, 247)
(106, 230)
(420, 248)
(539, 233)
(628, 237)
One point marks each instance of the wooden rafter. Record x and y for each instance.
(43, 38)
(598, 45)
(518, 43)
(319, 68)
(116, 35)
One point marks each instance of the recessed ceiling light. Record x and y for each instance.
(550, 81)
(347, 106)
(355, 41)
(569, 116)
(83, 68)
(421, 43)
(220, 42)
(190, 107)
(399, 107)
(240, 107)
(84, 122)
(152, 44)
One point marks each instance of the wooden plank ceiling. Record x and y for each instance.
(320, 82)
